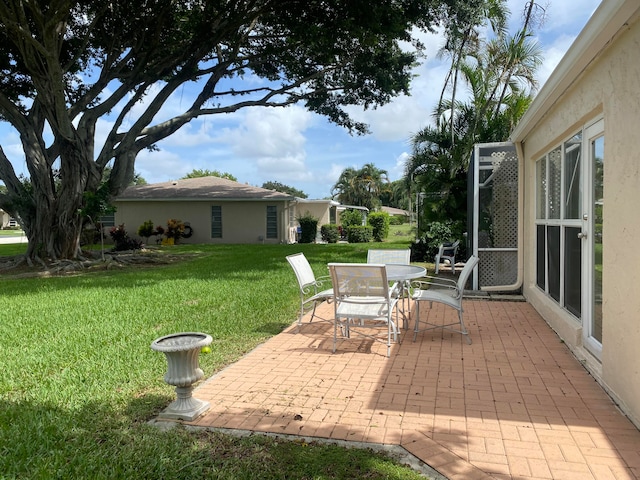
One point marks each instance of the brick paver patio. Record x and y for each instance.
(513, 405)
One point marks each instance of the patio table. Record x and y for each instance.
(404, 274)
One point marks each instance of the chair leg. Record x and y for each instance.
(313, 312)
(463, 329)
(300, 315)
(416, 327)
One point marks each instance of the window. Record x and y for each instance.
(272, 221)
(558, 222)
(108, 220)
(216, 221)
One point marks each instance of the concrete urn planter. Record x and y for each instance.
(182, 352)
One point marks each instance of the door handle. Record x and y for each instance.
(582, 235)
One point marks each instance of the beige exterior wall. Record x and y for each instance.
(242, 221)
(4, 218)
(319, 210)
(608, 89)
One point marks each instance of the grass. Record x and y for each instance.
(79, 380)
(401, 233)
(10, 233)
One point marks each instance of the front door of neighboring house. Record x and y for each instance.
(591, 237)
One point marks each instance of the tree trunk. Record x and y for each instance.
(52, 238)
(53, 218)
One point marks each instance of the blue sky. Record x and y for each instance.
(304, 150)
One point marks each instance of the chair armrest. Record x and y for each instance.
(323, 280)
(435, 281)
(394, 290)
(436, 285)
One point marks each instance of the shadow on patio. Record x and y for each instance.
(515, 404)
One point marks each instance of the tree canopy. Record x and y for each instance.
(198, 173)
(65, 65)
(280, 187)
(362, 187)
(499, 74)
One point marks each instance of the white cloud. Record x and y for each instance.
(568, 16)
(268, 132)
(196, 133)
(161, 166)
(397, 171)
(552, 56)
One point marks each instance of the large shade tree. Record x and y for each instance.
(67, 64)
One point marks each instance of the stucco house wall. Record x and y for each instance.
(320, 209)
(243, 209)
(599, 79)
(4, 218)
(242, 222)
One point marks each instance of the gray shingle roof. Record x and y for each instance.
(203, 188)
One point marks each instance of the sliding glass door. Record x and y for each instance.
(569, 228)
(592, 238)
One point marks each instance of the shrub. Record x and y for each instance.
(397, 220)
(419, 251)
(359, 234)
(122, 241)
(351, 218)
(379, 221)
(146, 230)
(309, 227)
(437, 233)
(175, 229)
(330, 233)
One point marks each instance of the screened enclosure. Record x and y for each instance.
(492, 230)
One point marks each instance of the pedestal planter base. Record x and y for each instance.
(185, 406)
(182, 351)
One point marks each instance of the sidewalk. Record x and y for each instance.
(513, 405)
(6, 239)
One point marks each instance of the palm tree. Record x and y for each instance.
(500, 79)
(361, 187)
(463, 40)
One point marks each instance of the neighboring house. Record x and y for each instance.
(324, 210)
(7, 221)
(217, 210)
(4, 219)
(578, 145)
(397, 212)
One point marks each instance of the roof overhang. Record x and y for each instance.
(197, 199)
(331, 203)
(603, 26)
(352, 207)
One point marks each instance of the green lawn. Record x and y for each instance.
(400, 233)
(79, 381)
(12, 233)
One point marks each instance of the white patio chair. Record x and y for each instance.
(443, 291)
(402, 257)
(447, 252)
(363, 299)
(312, 290)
